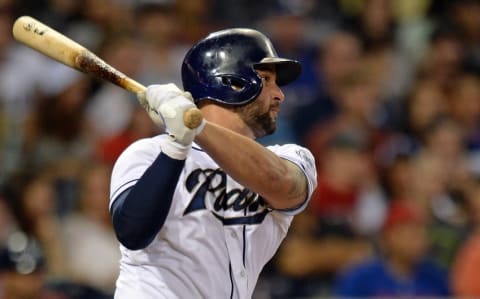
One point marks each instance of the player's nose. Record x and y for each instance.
(277, 93)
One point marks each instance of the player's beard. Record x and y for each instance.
(261, 123)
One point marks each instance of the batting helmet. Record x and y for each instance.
(221, 67)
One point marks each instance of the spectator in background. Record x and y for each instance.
(443, 60)
(110, 108)
(194, 20)
(158, 33)
(140, 126)
(17, 64)
(443, 142)
(92, 252)
(346, 181)
(466, 266)
(464, 16)
(402, 268)
(425, 104)
(414, 27)
(357, 102)
(34, 206)
(59, 13)
(56, 136)
(339, 57)
(14, 60)
(464, 109)
(98, 20)
(444, 139)
(377, 28)
(234, 13)
(429, 194)
(8, 224)
(23, 275)
(327, 237)
(397, 176)
(23, 266)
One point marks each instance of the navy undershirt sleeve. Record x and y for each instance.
(139, 212)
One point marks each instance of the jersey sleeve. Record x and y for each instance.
(132, 163)
(304, 159)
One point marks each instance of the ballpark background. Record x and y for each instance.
(388, 103)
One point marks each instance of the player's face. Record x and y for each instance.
(261, 115)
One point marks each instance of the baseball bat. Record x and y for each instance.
(59, 47)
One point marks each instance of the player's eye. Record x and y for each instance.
(266, 78)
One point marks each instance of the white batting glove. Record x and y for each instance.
(170, 103)
(151, 112)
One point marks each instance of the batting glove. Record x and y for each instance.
(154, 116)
(169, 104)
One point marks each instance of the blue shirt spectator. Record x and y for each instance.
(403, 268)
(374, 279)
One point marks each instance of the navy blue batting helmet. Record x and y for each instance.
(221, 67)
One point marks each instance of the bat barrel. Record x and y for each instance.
(46, 40)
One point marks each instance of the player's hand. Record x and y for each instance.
(154, 116)
(168, 104)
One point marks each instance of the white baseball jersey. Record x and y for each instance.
(218, 235)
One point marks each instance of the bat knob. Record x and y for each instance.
(192, 118)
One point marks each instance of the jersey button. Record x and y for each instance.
(233, 234)
(242, 273)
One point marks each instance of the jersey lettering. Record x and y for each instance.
(203, 182)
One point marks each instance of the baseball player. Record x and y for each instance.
(199, 212)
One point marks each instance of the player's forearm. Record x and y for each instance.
(280, 182)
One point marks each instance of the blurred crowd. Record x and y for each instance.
(388, 103)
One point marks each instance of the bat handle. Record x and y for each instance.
(192, 118)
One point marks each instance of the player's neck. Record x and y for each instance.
(226, 118)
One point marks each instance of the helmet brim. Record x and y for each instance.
(287, 70)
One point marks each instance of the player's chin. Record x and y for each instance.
(271, 128)
(265, 124)
(265, 128)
